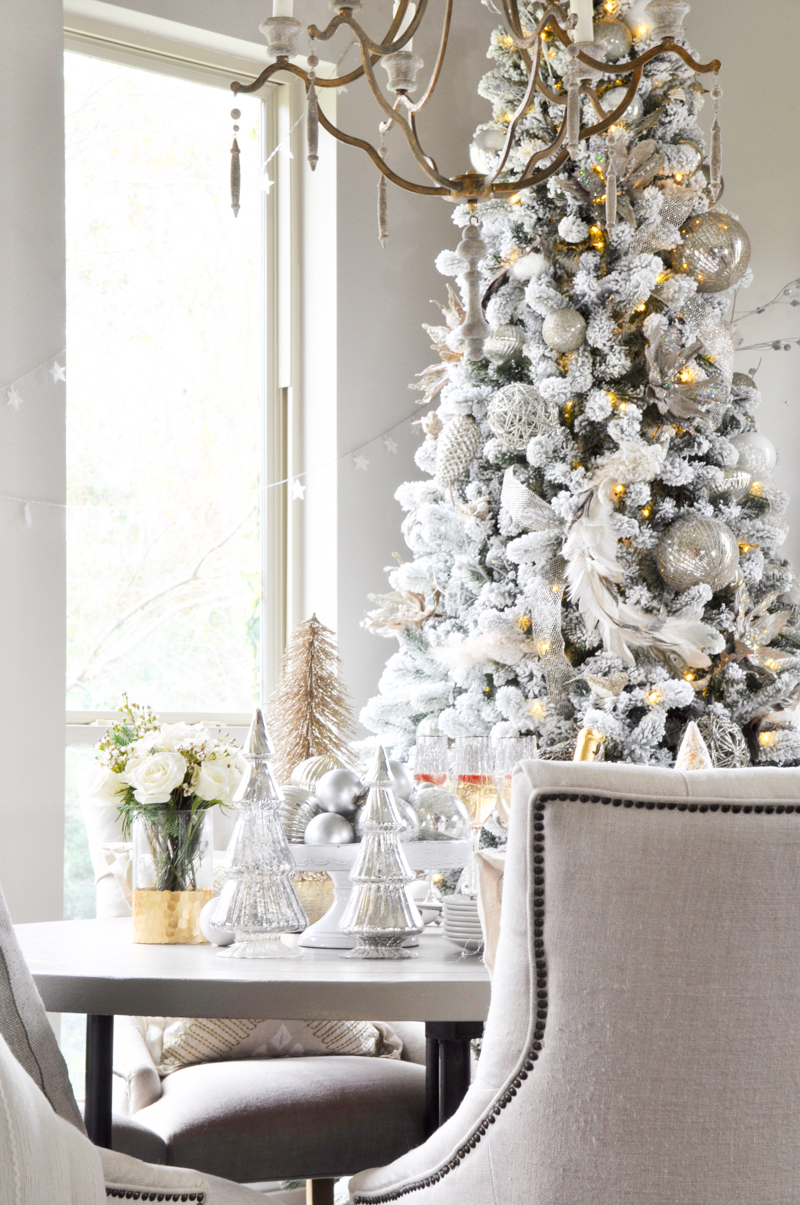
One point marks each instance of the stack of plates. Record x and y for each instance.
(461, 924)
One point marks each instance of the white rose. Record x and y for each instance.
(171, 735)
(106, 786)
(214, 780)
(154, 779)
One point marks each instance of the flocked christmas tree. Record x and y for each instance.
(596, 543)
(310, 712)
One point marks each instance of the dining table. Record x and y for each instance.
(94, 967)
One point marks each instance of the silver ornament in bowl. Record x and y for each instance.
(504, 343)
(329, 828)
(338, 790)
(441, 815)
(306, 773)
(564, 330)
(517, 412)
(715, 251)
(402, 782)
(298, 807)
(695, 550)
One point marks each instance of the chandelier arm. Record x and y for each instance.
(587, 90)
(515, 120)
(525, 182)
(549, 17)
(426, 163)
(437, 70)
(408, 185)
(379, 49)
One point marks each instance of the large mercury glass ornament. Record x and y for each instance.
(258, 902)
(696, 550)
(715, 251)
(612, 40)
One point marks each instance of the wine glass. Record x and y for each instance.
(430, 760)
(474, 784)
(509, 751)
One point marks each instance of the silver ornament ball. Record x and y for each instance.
(564, 330)
(757, 454)
(715, 251)
(613, 99)
(337, 790)
(734, 486)
(696, 550)
(441, 815)
(517, 412)
(329, 828)
(485, 147)
(612, 40)
(504, 343)
(402, 782)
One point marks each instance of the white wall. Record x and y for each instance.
(32, 576)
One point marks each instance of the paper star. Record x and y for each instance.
(390, 444)
(266, 183)
(298, 489)
(13, 398)
(58, 372)
(361, 462)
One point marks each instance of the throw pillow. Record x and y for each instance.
(175, 1042)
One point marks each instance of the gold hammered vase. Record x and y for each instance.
(168, 918)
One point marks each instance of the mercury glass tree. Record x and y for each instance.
(258, 902)
(381, 914)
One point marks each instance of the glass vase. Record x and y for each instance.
(171, 876)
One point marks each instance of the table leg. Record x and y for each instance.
(447, 1067)
(99, 1072)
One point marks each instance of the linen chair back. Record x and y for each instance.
(24, 1025)
(643, 1041)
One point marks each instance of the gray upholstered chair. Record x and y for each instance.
(45, 1156)
(643, 1041)
(315, 1117)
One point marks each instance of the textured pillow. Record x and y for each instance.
(175, 1042)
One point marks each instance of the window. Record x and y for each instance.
(170, 389)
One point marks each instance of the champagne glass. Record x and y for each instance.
(509, 751)
(474, 784)
(430, 760)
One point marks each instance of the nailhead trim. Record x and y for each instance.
(532, 1055)
(132, 1194)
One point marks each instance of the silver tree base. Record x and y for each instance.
(266, 945)
(380, 947)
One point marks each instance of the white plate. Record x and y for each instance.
(459, 931)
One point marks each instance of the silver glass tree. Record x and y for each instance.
(258, 902)
(381, 914)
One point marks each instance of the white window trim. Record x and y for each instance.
(152, 43)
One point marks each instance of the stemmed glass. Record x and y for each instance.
(509, 751)
(430, 760)
(474, 783)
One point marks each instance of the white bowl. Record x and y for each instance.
(467, 945)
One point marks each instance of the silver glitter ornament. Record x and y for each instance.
(455, 448)
(329, 828)
(504, 343)
(612, 40)
(757, 454)
(564, 330)
(692, 551)
(734, 486)
(517, 412)
(715, 251)
(725, 742)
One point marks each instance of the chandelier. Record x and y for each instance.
(588, 65)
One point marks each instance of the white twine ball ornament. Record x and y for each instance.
(517, 412)
(564, 330)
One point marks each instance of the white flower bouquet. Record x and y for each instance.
(167, 776)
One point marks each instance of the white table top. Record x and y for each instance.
(92, 966)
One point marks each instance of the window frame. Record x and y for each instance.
(215, 60)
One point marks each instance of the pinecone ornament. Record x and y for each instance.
(456, 448)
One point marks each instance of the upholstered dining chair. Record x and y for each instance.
(643, 1040)
(252, 1120)
(46, 1157)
